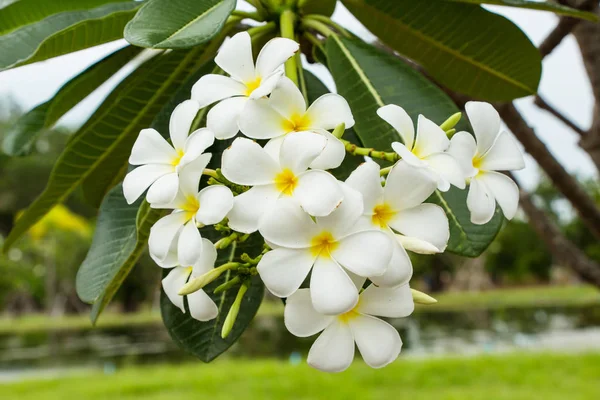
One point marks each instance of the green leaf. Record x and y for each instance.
(322, 7)
(101, 147)
(464, 47)
(370, 78)
(64, 33)
(536, 5)
(22, 135)
(203, 339)
(169, 24)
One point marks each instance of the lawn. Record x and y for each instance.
(516, 376)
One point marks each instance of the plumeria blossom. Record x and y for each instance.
(398, 207)
(285, 112)
(327, 245)
(200, 305)
(159, 162)
(378, 342)
(427, 150)
(246, 80)
(246, 163)
(175, 238)
(494, 150)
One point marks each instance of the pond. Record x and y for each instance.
(424, 334)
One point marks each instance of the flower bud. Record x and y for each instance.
(198, 283)
(338, 132)
(422, 298)
(233, 311)
(451, 122)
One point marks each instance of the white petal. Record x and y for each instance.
(430, 138)
(151, 148)
(181, 122)
(480, 202)
(463, 148)
(260, 121)
(196, 143)
(138, 180)
(172, 284)
(299, 150)
(163, 190)
(266, 85)
(407, 187)
(211, 88)
(287, 225)
(504, 190)
(426, 221)
(246, 163)
(367, 181)
(190, 175)
(417, 245)
(379, 343)
(331, 289)
(235, 57)
(163, 233)
(207, 259)
(287, 99)
(328, 111)
(274, 53)
(504, 155)
(284, 270)
(223, 118)
(398, 271)
(366, 253)
(333, 351)
(400, 121)
(189, 245)
(170, 260)
(250, 206)
(318, 192)
(273, 147)
(300, 317)
(407, 156)
(215, 202)
(332, 155)
(340, 222)
(390, 302)
(448, 168)
(485, 122)
(201, 306)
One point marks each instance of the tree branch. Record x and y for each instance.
(541, 103)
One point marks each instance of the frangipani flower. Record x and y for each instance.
(329, 246)
(201, 306)
(178, 232)
(494, 150)
(246, 80)
(427, 150)
(285, 111)
(160, 162)
(399, 207)
(378, 342)
(246, 163)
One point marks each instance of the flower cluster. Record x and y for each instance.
(337, 250)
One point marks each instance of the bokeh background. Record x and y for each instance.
(513, 323)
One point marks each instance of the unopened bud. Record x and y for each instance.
(417, 245)
(339, 130)
(451, 122)
(422, 298)
(233, 311)
(198, 283)
(450, 133)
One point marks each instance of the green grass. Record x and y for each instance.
(455, 301)
(511, 377)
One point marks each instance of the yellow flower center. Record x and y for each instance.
(286, 182)
(350, 315)
(190, 206)
(252, 85)
(188, 271)
(177, 159)
(323, 244)
(382, 215)
(477, 161)
(297, 123)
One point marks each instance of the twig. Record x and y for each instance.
(541, 103)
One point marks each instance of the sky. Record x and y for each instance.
(564, 84)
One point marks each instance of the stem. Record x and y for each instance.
(317, 26)
(369, 152)
(313, 39)
(210, 172)
(385, 171)
(286, 22)
(244, 14)
(302, 80)
(261, 29)
(328, 21)
(227, 285)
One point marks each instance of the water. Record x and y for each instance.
(423, 334)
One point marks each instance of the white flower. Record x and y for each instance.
(427, 150)
(285, 111)
(179, 230)
(398, 207)
(327, 245)
(378, 342)
(160, 162)
(246, 163)
(201, 306)
(247, 80)
(494, 150)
